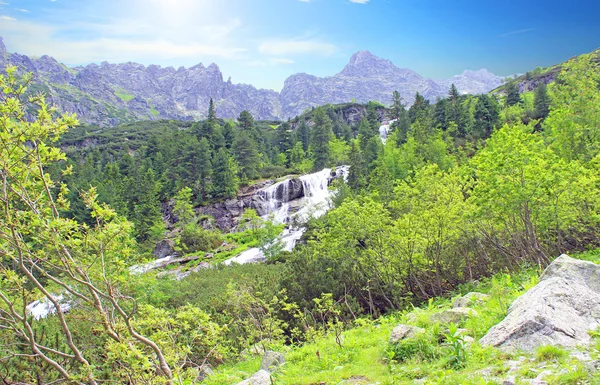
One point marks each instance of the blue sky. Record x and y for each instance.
(261, 42)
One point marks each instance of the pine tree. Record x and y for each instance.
(211, 115)
(247, 156)
(224, 181)
(512, 94)
(453, 94)
(203, 163)
(541, 101)
(229, 134)
(397, 106)
(284, 137)
(321, 134)
(303, 133)
(419, 108)
(246, 121)
(357, 176)
(146, 210)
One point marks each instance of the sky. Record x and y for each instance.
(262, 42)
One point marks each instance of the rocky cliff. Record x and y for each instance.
(110, 94)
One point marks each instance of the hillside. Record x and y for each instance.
(531, 79)
(111, 94)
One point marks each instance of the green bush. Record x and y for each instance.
(194, 238)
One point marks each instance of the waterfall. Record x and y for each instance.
(313, 202)
(384, 131)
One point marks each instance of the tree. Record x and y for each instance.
(397, 106)
(453, 93)
(224, 181)
(246, 155)
(525, 190)
(147, 216)
(419, 108)
(183, 208)
(321, 134)
(246, 121)
(512, 94)
(211, 115)
(303, 133)
(48, 257)
(357, 176)
(284, 137)
(541, 101)
(572, 125)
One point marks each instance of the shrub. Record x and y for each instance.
(194, 238)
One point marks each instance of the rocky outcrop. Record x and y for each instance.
(262, 377)
(470, 299)
(271, 361)
(402, 332)
(560, 310)
(454, 315)
(110, 94)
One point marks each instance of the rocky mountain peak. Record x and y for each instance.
(364, 63)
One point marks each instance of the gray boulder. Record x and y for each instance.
(454, 315)
(164, 248)
(272, 361)
(560, 310)
(402, 332)
(262, 377)
(470, 299)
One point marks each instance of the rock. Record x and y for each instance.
(272, 361)
(234, 207)
(164, 248)
(454, 315)
(262, 377)
(560, 310)
(402, 332)
(204, 371)
(509, 382)
(470, 299)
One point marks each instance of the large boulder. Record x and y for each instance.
(402, 332)
(560, 310)
(164, 248)
(262, 377)
(470, 299)
(454, 315)
(272, 361)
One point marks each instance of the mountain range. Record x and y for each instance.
(110, 94)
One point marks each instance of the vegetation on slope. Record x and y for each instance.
(463, 189)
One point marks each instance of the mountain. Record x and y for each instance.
(473, 82)
(110, 94)
(365, 78)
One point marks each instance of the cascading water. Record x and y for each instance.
(384, 131)
(312, 202)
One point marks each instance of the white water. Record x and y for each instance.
(314, 203)
(384, 131)
(43, 307)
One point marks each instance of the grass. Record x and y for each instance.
(154, 112)
(366, 357)
(123, 95)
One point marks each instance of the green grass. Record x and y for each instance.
(367, 357)
(154, 112)
(123, 95)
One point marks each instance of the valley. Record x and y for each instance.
(369, 226)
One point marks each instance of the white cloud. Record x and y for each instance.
(273, 61)
(296, 47)
(39, 39)
(21, 10)
(305, 1)
(359, 1)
